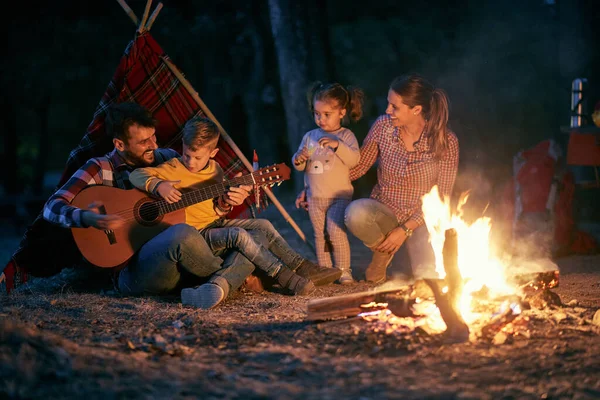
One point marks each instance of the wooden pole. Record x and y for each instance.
(153, 16)
(229, 141)
(129, 12)
(142, 26)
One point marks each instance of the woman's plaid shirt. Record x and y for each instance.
(110, 170)
(404, 177)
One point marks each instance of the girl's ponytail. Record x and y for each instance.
(356, 99)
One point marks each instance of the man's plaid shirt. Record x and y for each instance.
(404, 177)
(110, 170)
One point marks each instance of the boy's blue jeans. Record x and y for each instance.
(161, 265)
(370, 221)
(240, 234)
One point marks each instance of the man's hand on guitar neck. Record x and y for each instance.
(93, 218)
(236, 195)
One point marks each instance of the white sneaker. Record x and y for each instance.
(204, 296)
(346, 278)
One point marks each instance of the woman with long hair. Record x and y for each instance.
(415, 150)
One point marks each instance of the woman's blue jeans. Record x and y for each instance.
(370, 221)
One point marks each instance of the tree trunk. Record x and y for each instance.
(319, 44)
(297, 59)
(263, 120)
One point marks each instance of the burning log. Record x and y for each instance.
(500, 320)
(538, 280)
(534, 284)
(357, 303)
(544, 299)
(457, 330)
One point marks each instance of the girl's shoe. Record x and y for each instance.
(346, 278)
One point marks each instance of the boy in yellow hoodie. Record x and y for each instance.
(195, 169)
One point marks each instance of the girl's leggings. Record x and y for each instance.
(327, 217)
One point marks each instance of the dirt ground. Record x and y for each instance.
(60, 338)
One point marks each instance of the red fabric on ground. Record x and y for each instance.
(14, 276)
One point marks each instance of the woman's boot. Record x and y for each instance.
(376, 271)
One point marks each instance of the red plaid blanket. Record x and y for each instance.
(143, 77)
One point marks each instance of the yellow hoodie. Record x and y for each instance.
(198, 215)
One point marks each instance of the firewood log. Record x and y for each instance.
(456, 329)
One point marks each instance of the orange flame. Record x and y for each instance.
(477, 265)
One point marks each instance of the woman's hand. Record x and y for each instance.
(166, 190)
(301, 157)
(330, 142)
(393, 241)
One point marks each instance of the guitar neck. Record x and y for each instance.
(205, 193)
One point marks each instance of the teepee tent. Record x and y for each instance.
(147, 76)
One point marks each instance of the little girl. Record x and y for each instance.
(326, 155)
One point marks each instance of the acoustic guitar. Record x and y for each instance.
(145, 216)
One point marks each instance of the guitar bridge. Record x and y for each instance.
(110, 234)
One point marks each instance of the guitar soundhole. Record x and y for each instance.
(147, 213)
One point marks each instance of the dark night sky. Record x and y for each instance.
(507, 66)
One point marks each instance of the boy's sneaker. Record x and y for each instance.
(288, 279)
(318, 275)
(346, 278)
(204, 296)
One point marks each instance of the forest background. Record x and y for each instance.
(507, 67)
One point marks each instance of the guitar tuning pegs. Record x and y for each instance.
(279, 183)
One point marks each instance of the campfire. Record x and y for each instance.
(476, 295)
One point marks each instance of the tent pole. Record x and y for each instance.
(228, 139)
(129, 12)
(153, 16)
(145, 16)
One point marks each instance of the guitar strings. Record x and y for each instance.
(154, 207)
(160, 207)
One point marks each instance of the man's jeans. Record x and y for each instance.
(240, 234)
(370, 221)
(161, 265)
